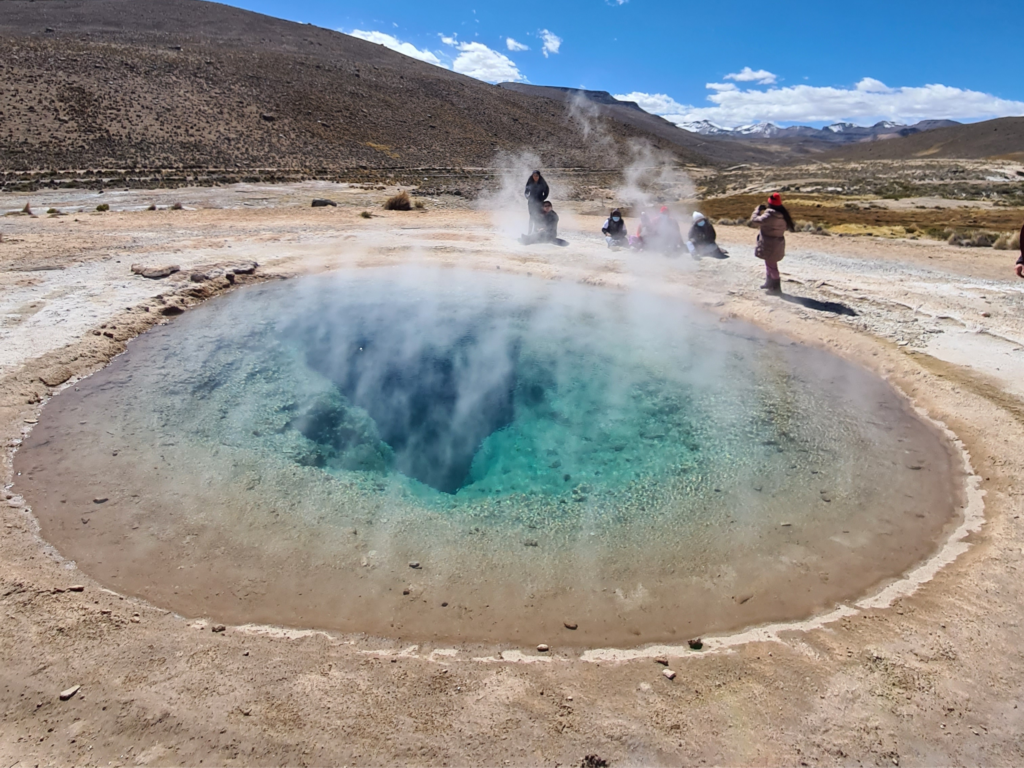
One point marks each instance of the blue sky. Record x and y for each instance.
(732, 62)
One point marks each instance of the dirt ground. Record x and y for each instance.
(926, 672)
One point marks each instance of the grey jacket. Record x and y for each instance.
(771, 240)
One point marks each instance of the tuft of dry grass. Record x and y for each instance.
(103, 207)
(420, 205)
(1008, 241)
(177, 207)
(399, 202)
(366, 214)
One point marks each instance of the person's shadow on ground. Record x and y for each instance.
(820, 306)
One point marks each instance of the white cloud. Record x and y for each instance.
(747, 75)
(515, 45)
(479, 61)
(448, 40)
(552, 42)
(721, 86)
(392, 42)
(867, 102)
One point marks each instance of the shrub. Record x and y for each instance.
(976, 240)
(366, 215)
(152, 207)
(399, 202)
(52, 210)
(176, 207)
(102, 207)
(420, 205)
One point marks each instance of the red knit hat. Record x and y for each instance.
(774, 199)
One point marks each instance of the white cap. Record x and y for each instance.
(697, 216)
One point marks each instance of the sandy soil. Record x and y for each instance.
(916, 677)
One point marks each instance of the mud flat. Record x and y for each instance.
(928, 675)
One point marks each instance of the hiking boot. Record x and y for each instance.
(774, 287)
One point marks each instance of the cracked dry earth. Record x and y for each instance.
(933, 679)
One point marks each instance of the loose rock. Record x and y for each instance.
(76, 588)
(155, 273)
(661, 660)
(414, 564)
(67, 694)
(218, 628)
(669, 674)
(543, 648)
(571, 625)
(100, 500)
(696, 643)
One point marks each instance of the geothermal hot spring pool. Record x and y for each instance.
(443, 455)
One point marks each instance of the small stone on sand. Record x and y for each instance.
(668, 673)
(543, 648)
(218, 627)
(661, 660)
(571, 625)
(414, 564)
(65, 695)
(76, 588)
(100, 500)
(696, 643)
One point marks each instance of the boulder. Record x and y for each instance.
(155, 273)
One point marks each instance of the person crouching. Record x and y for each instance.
(546, 228)
(700, 241)
(614, 230)
(773, 220)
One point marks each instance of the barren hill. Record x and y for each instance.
(1000, 138)
(629, 113)
(144, 84)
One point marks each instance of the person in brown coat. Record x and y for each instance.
(1020, 261)
(773, 219)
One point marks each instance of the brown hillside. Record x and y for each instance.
(191, 84)
(722, 151)
(1000, 138)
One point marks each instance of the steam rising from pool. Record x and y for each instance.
(539, 451)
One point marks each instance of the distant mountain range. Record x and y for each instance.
(837, 133)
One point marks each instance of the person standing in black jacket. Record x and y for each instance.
(536, 193)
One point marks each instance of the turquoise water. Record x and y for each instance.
(542, 446)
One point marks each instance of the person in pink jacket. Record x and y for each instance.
(1020, 261)
(773, 220)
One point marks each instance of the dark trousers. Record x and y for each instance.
(535, 209)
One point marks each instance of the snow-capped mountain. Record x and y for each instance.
(762, 130)
(704, 128)
(837, 133)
